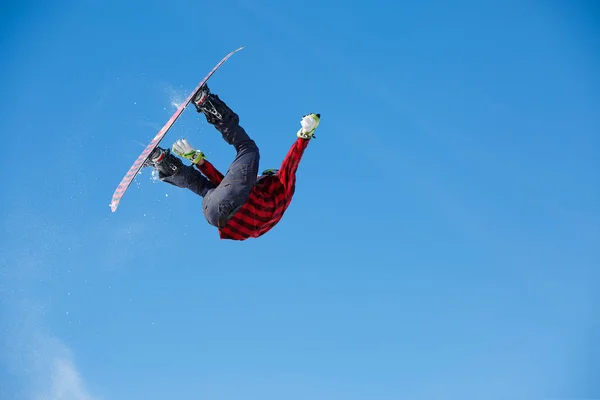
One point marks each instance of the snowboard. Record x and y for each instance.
(139, 162)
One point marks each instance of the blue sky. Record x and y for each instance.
(442, 243)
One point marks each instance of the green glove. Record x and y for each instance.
(183, 149)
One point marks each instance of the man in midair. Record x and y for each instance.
(240, 203)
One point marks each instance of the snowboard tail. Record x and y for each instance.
(139, 162)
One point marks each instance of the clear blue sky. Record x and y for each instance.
(443, 243)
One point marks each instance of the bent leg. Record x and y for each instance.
(231, 194)
(241, 176)
(189, 178)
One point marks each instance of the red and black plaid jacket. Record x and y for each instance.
(268, 200)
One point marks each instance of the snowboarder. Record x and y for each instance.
(240, 204)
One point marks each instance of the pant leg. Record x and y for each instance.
(220, 204)
(188, 177)
(229, 123)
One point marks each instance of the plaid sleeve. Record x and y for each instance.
(289, 166)
(210, 172)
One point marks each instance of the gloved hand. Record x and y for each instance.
(184, 149)
(309, 123)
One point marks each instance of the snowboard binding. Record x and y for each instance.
(164, 162)
(204, 102)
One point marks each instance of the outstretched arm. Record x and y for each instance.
(289, 166)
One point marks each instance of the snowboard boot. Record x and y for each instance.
(164, 162)
(210, 105)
